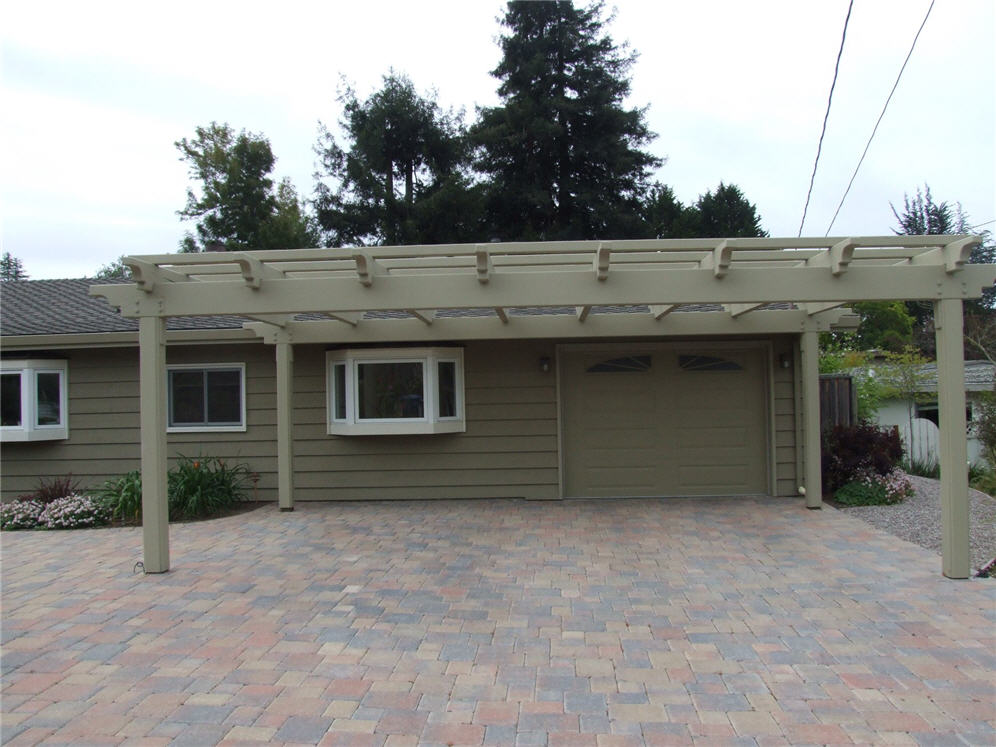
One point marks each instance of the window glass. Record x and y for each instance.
(390, 390)
(224, 397)
(10, 399)
(186, 397)
(707, 363)
(630, 363)
(339, 391)
(447, 389)
(48, 398)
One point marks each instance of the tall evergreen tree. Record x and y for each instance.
(237, 208)
(923, 216)
(11, 268)
(562, 153)
(725, 213)
(401, 179)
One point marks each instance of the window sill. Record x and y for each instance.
(16, 435)
(206, 429)
(396, 429)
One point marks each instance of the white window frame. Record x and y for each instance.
(207, 428)
(352, 425)
(29, 429)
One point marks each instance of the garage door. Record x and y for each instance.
(664, 421)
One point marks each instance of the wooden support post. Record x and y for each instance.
(949, 329)
(813, 477)
(152, 391)
(285, 425)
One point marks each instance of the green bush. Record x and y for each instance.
(204, 486)
(123, 496)
(20, 514)
(873, 489)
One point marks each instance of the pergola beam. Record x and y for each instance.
(739, 309)
(646, 286)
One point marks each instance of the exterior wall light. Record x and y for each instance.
(544, 363)
(785, 360)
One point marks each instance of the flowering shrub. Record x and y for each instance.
(873, 489)
(20, 514)
(73, 512)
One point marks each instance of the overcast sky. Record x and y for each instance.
(94, 94)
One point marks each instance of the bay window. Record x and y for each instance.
(386, 391)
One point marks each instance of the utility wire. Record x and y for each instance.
(875, 129)
(819, 147)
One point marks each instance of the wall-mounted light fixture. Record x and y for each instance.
(785, 360)
(545, 364)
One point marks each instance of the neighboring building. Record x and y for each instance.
(980, 378)
(541, 371)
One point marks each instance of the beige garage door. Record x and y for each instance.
(664, 421)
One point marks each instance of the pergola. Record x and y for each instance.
(557, 290)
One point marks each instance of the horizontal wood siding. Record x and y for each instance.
(508, 450)
(104, 422)
(786, 480)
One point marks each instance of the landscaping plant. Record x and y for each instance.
(20, 514)
(73, 512)
(852, 451)
(873, 489)
(123, 496)
(203, 486)
(49, 490)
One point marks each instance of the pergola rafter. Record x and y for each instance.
(558, 290)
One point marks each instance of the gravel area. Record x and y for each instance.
(918, 519)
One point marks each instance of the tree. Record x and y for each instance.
(236, 207)
(664, 216)
(561, 153)
(725, 213)
(885, 325)
(113, 270)
(402, 178)
(11, 268)
(923, 216)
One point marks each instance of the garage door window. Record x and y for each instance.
(630, 364)
(707, 363)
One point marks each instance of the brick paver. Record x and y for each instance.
(726, 621)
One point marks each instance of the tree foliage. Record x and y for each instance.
(11, 268)
(401, 179)
(725, 213)
(923, 216)
(235, 206)
(113, 270)
(885, 325)
(562, 154)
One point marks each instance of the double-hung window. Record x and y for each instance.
(395, 391)
(33, 400)
(206, 397)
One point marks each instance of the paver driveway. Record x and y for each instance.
(583, 622)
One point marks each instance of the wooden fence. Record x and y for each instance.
(838, 400)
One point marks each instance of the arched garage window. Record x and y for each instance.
(383, 391)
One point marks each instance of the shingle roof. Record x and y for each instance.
(980, 376)
(52, 307)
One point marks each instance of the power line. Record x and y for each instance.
(826, 116)
(980, 225)
(875, 129)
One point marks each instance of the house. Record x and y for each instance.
(533, 370)
(920, 413)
